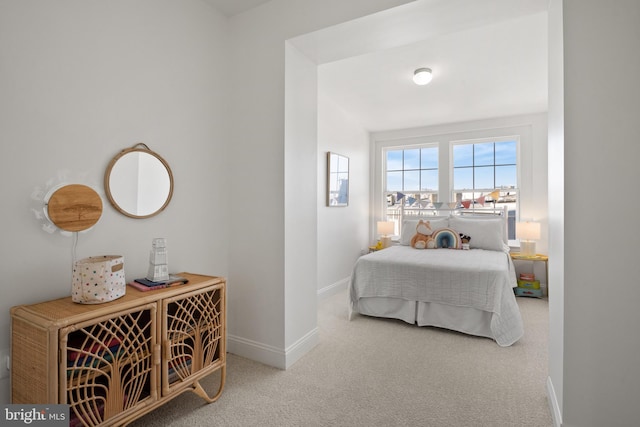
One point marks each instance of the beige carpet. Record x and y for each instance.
(380, 372)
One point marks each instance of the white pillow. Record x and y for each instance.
(409, 226)
(484, 233)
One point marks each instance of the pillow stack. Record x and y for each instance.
(480, 233)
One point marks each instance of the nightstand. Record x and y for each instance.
(534, 258)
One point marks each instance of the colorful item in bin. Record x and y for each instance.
(525, 292)
(529, 284)
(527, 276)
(73, 355)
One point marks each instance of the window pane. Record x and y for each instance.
(462, 155)
(343, 164)
(483, 154)
(506, 176)
(334, 182)
(412, 180)
(463, 178)
(429, 158)
(483, 177)
(333, 163)
(394, 181)
(429, 180)
(412, 159)
(506, 153)
(394, 160)
(414, 172)
(343, 188)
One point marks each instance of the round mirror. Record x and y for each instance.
(138, 182)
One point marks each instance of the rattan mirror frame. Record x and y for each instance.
(111, 190)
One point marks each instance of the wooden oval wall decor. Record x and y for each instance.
(74, 207)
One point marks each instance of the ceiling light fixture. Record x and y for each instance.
(422, 76)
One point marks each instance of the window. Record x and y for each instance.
(411, 180)
(444, 170)
(487, 173)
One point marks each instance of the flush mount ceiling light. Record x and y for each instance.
(422, 76)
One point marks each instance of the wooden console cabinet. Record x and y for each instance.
(117, 361)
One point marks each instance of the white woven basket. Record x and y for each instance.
(98, 279)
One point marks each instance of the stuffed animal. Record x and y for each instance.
(465, 241)
(422, 239)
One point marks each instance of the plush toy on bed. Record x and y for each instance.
(465, 241)
(423, 239)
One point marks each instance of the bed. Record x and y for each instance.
(469, 291)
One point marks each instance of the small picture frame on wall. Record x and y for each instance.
(337, 180)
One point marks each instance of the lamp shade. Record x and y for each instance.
(528, 230)
(386, 228)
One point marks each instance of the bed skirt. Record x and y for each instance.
(461, 319)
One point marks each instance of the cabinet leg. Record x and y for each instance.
(197, 387)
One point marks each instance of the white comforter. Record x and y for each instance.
(478, 279)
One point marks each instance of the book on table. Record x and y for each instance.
(145, 284)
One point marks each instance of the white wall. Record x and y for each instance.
(532, 130)
(601, 378)
(556, 212)
(81, 81)
(259, 296)
(343, 232)
(300, 216)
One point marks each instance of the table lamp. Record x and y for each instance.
(385, 229)
(528, 232)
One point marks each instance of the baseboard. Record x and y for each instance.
(556, 416)
(257, 351)
(270, 355)
(333, 289)
(301, 347)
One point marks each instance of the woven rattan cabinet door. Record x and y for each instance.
(109, 366)
(194, 335)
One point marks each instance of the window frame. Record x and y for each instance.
(512, 138)
(408, 193)
(445, 142)
(385, 150)
(517, 189)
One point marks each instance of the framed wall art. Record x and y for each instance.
(337, 180)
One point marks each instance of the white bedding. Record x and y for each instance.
(465, 290)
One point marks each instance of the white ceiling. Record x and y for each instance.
(234, 7)
(484, 72)
(489, 59)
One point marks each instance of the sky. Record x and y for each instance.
(483, 166)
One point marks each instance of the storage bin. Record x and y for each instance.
(529, 284)
(525, 292)
(98, 279)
